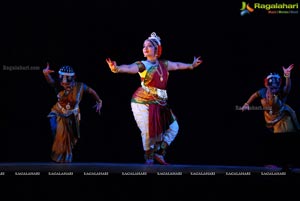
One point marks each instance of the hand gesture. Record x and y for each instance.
(287, 71)
(47, 70)
(112, 65)
(197, 61)
(98, 107)
(245, 107)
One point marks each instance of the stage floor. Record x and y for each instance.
(93, 181)
(124, 169)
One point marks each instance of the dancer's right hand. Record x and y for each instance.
(46, 70)
(245, 107)
(112, 65)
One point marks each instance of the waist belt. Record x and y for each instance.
(67, 112)
(160, 93)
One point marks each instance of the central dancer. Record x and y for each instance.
(156, 121)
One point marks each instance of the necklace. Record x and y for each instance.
(66, 92)
(269, 97)
(272, 99)
(160, 73)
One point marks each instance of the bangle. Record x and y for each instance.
(286, 75)
(115, 69)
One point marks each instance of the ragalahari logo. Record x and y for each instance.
(246, 9)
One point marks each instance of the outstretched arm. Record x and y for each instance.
(288, 82)
(249, 101)
(183, 66)
(98, 105)
(48, 77)
(125, 68)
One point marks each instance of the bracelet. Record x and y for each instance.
(246, 104)
(115, 70)
(192, 67)
(286, 75)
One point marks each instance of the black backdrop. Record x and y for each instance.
(238, 51)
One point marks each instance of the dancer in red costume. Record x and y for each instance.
(156, 121)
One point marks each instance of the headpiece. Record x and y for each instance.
(66, 74)
(273, 79)
(155, 40)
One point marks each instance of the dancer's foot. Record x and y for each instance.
(149, 162)
(160, 159)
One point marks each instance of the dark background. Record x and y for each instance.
(237, 51)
